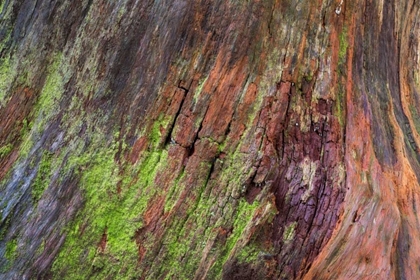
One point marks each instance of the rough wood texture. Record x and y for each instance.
(207, 139)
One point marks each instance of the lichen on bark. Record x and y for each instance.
(208, 139)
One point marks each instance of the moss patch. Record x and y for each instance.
(11, 250)
(415, 117)
(289, 232)
(343, 46)
(116, 195)
(7, 75)
(244, 213)
(48, 103)
(43, 176)
(248, 254)
(5, 150)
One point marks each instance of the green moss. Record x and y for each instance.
(48, 102)
(159, 132)
(343, 46)
(25, 135)
(289, 232)
(116, 212)
(7, 75)
(7, 24)
(5, 150)
(248, 254)
(119, 213)
(10, 255)
(199, 88)
(104, 213)
(176, 253)
(174, 192)
(309, 76)
(43, 176)
(183, 240)
(26, 127)
(188, 236)
(47, 106)
(11, 250)
(5, 226)
(415, 117)
(41, 248)
(339, 109)
(244, 214)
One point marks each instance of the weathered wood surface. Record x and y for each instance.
(206, 139)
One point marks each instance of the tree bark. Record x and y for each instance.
(206, 139)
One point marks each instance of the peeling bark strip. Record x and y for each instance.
(209, 139)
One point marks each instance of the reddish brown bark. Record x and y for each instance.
(209, 139)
